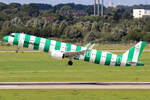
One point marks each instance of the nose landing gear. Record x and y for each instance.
(18, 49)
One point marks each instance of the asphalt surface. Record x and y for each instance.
(74, 85)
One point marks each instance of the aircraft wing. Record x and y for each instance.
(74, 54)
(77, 53)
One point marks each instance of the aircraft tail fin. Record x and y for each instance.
(135, 52)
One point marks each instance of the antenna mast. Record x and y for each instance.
(110, 3)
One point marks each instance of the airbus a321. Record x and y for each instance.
(61, 50)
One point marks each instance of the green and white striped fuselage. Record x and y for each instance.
(94, 56)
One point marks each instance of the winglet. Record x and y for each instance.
(91, 47)
(87, 46)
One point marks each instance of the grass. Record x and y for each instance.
(116, 46)
(11, 48)
(23, 67)
(74, 94)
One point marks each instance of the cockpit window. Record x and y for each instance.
(12, 34)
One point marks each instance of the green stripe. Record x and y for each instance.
(98, 57)
(47, 45)
(131, 53)
(37, 43)
(108, 59)
(78, 48)
(143, 44)
(87, 56)
(118, 61)
(68, 47)
(58, 45)
(26, 41)
(16, 39)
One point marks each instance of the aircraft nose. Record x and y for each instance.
(5, 38)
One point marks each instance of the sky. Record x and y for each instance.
(87, 2)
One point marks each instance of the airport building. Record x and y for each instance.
(140, 13)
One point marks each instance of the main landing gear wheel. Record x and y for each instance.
(70, 63)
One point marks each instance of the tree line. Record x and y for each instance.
(117, 24)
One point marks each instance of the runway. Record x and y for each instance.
(74, 85)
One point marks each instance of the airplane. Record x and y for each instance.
(61, 50)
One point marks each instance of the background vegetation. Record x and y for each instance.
(48, 21)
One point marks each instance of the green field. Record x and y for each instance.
(11, 48)
(25, 67)
(74, 94)
(116, 46)
(40, 67)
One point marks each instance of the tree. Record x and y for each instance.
(73, 33)
(3, 6)
(66, 8)
(134, 35)
(89, 10)
(147, 26)
(146, 37)
(30, 10)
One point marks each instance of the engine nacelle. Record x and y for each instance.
(57, 54)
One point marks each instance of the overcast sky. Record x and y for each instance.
(87, 2)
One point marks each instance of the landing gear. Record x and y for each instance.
(70, 63)
(17, 51)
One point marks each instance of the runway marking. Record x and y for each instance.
(74, 85)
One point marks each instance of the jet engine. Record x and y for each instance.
(57, 54)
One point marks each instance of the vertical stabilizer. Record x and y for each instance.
(133, 54)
